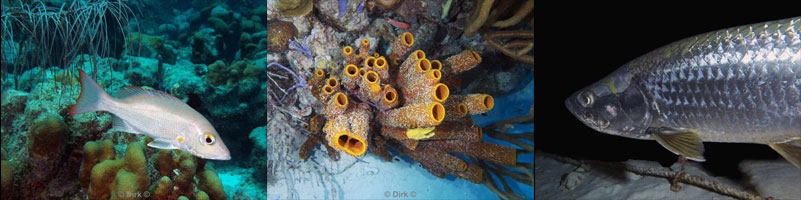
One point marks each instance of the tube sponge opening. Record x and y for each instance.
(408, 39)
(341, 100)
(351, 70)
(347, 50)
(333, 82)
(381, 62)
(319, 73)
(441, 92)
(436, 64)
(437, 112)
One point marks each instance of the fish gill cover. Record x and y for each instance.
(210, 55)
(381, 99)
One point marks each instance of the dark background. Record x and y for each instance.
(577, 44)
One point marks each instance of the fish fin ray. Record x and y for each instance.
(91, 96)
(161, 144)
(681, 142)
(128, 92)
(790, 150)
(121, 125)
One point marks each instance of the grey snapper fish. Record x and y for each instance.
(169, 121)
(737, 85)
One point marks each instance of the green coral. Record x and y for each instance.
(217, 73)
(201, 196)
(120, 176)
(163, 189)
(219, 25)
(210, 183)
(94, 152)
(163, 162)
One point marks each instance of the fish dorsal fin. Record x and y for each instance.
(128, 92)
(682, 142)
(121, 125)
(790, 150)
(160, 144)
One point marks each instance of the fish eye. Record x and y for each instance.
(208, 139)
(586, 99)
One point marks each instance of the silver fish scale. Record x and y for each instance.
(733, 85)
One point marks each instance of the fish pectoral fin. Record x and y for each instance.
(790, 150)
(160, 144)
(681, 142)
(120, 125)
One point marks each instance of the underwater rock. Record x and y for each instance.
(348, 21)
(279, 34)
(13, 104)
(775, 178)
(292, 8)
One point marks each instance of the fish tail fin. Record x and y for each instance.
(91, 96)
(790, 150)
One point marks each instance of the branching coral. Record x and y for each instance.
(525, 46)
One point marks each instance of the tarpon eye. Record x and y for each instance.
(586, 99)
(208, 139)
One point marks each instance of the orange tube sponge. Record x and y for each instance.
(399, 134)
(319, 74)
(351, 77)
(429, 78)
(414, 115)
(476, 103)
(436, 159)
(381, 67)
(350, 57)
(326, 93)
(436, 65)
(348, 132)
(456, 131)
(336, 106)
(400, 47)
(364, 46)
(389, 98)
(463, 61)
(369, 87)
(409, 73)
(455, 111)
(482, 150)
(332, 81)
(474, 174)
(368, 63)
(437, 93)
(412, 64)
